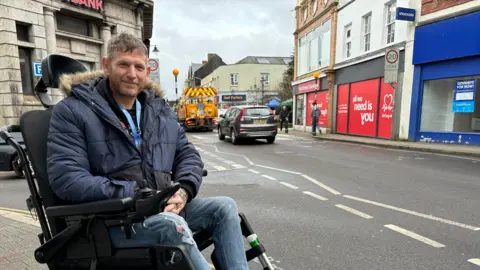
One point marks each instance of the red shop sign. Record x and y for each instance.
(386, 111)
(309, 86)
(91, 4)
(363, 108)
(322, 103)
(342, 108)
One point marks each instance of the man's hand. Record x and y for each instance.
(177, 202)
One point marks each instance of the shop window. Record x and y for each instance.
(299, 109)
(26, 70)
(439, 114)
(22, 32)
(71, 24)
(314, 49)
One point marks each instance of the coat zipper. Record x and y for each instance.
(141, 183)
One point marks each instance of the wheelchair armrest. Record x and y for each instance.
(90, 208)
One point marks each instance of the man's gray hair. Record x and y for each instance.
(125, 42)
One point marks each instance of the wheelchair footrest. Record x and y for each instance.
(173, 257)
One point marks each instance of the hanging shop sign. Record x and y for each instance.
(96, 5)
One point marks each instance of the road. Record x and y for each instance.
(327, 205)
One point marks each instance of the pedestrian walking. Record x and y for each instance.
(284, 119)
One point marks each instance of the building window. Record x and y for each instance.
(26, 70)
(264, 78)
(438, 111)
(314, 49)
(22, 32)
(366, 23)
(233, 78)
(71, 24)
(348, 41)
(390, 22)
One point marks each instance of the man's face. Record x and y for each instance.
(128, 72)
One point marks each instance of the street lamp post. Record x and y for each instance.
(175, 73)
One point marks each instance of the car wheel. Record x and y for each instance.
(270, 140)
(233, 136)
(221, 137)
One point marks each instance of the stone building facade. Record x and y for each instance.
(32, 29)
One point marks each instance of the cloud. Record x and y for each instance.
(185, 31)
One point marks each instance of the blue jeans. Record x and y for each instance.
(314, 125)
(218, 215)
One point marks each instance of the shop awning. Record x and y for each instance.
(288, 102)
(274, 102)
(200, 91)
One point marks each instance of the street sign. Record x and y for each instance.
(37, 69)
(154, 66)
(405, 14)
(392, 57)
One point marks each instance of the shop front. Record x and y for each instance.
(364, 103)
(78, 29)
(445, 105)
(305, 94)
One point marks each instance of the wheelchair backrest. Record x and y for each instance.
(34, 126)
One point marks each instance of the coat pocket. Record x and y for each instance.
(162, 179)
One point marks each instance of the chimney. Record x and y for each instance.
(211, 55)
(204, 62)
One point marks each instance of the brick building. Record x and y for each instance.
(315, 38)
(445, 103)
(32, 29)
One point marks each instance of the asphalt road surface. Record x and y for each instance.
(325, 205)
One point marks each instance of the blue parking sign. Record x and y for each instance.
(37, 69)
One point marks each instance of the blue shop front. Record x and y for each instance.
(445, 104)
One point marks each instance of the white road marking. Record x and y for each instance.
(329, 189)
(276, 169)
(238, 166)
(269, 177)
(197, 137)
(415, 236)
(289, 185)
(446, 221)
(315, 195)
(229, 162)
(253, 171)
(220, 168)
(353, 211)
(248, 160)
(286, 152)
(475, 261)
(220, 159)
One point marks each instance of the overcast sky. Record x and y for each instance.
(186, 31)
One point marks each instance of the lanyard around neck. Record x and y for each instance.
(135, 130)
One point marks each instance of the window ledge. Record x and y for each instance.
(26, 44)
(78, 37)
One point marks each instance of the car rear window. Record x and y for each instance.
(257, 112)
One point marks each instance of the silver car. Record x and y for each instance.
(248, 122)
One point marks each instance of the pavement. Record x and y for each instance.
(318, 204)
(453, 149)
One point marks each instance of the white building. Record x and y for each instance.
(252, 80)
(364, 105)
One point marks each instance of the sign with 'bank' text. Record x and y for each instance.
(96, 5)
(464, 96)
(405, 14)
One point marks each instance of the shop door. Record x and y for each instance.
(362, 119)
(342, 108)
(386, 111)
(322, 103)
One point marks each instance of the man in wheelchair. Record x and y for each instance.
(114, 136)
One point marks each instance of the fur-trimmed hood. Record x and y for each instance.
(66, 82)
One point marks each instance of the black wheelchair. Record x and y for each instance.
(76, 236)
